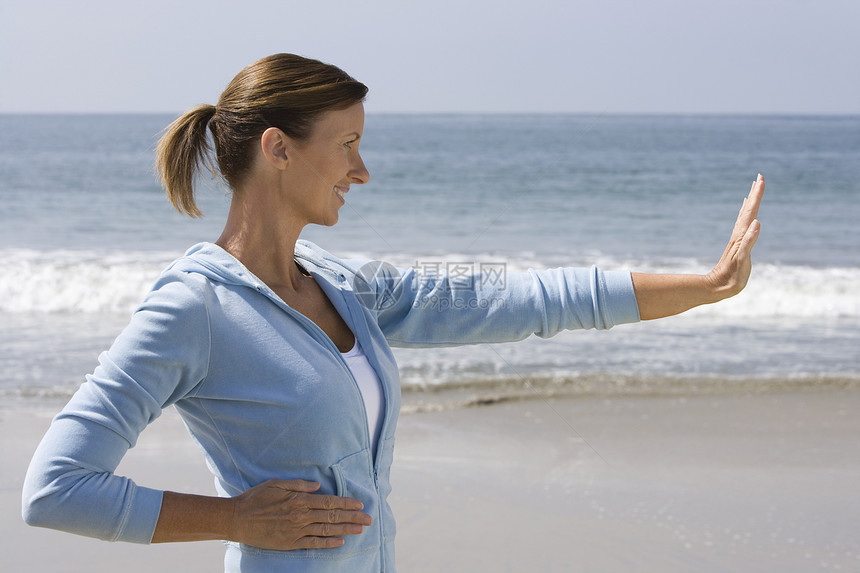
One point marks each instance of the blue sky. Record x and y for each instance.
(598, 56)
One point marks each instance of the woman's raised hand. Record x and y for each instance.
(659, 295)
(732, 272)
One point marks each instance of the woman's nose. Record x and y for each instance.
(359, 173)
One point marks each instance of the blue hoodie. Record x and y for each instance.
(266, 394)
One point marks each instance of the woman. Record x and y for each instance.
(277, 354)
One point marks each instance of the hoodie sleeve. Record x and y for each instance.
(445, 310)
(160, 356)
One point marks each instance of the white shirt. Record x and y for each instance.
(371, 390)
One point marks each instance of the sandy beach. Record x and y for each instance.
(733, 482)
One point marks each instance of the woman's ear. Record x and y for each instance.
(274, 144)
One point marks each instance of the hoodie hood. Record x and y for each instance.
(214, 263)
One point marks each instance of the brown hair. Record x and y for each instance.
(284, 91)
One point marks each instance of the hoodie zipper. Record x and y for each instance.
(375, 454)
(321, 336)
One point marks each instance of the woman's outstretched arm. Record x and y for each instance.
(660, 295)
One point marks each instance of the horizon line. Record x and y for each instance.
(486, 113)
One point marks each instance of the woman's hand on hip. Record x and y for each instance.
(287, 514)
(277, 514)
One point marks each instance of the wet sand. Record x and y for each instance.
(734, 482)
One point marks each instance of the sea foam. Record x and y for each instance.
(88, 282)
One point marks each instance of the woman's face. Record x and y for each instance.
(325, 165)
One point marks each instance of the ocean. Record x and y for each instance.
(85, 230)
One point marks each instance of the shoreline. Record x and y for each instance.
(501, 389)
(540, 388)
(735, 481)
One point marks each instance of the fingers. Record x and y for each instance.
(326, 535)
(339, 516)
(324, 528)
(749, 210)
(294, 485)
(331, 502)
(318, 542)
(756, 193)
(747, 214)
(750, 238)
(331, 529)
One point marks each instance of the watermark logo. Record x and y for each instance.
(459, 285)
(435, 284)
(377, 285)
(493, 275)
(490, 276)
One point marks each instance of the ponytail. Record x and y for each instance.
(179, 154)
(283, 90)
